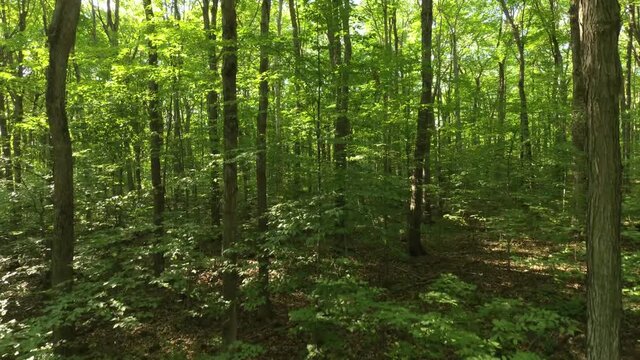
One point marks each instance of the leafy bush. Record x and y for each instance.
(455, 323)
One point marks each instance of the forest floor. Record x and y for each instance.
(538, 273)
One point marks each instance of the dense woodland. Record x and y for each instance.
(320, 179)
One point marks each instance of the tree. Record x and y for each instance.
(516, 31)
(5, 144)
(62, 36)
(340, 51)
(210, 17)
(156, 127)
(603, 83)
(261, 156)
(579, 127)
(18, 95)
(230, 216)
(423, 136)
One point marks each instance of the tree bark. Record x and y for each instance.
(297, 54)
(603, 83)
(525, 139)
(156, 126)
(18, 98)
(261, 157)
(579, 126)
(5, 143)
(62, 35)
(627, 115)
(423, 135)
(230, 220)
(343, 125)
(210, 17)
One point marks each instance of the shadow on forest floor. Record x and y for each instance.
(538, 273)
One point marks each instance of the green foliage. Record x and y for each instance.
(344, 308)
(320, 252)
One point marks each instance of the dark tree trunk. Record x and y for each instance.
(343, 126)
(5, 143)
(18, 117)
(261, 157)
(62, 35)
(156, 126)
(627, 115)
(603, 83)
(230, 221)
(297, 52)
(579, 126)
(210, 17)
(502, 104)
(338, 14)
(18, 98)
(423, 135)
(525, 140)
(456, 86)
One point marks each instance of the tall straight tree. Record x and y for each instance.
(18, 95)
(5, 144)
(337, 16)
(297, 54)
(210, 16)
(261, 156)
(423, 135)
(343, 125)
(603, 82)
(62, 36)
(156, 127)
(230, 216)
(579, 126)
(516, 31)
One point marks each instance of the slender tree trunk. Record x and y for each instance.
(277, 89)
(18, 117)
(261, 157)
(297, 53)
(343, 126)
(18, 98)
(5, 143)
(525, 140)
(210, 16)
(603, 79)
(230, 221)
(502, 104)
(456, 86)
(579, 126)
(156, 126)
(423, 135)
(62, 35)
(626, 115)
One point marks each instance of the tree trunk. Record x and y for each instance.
(603, 80)
(157, 128)
(5, 143)
(261, 157)
(210, 17)
(297, 53)
(456, 87)
(579, 127)
(62, 35)
(627, 115)
(423, 135)
(502, 104)
(230, 221)
(343, 126)
(525, 140)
